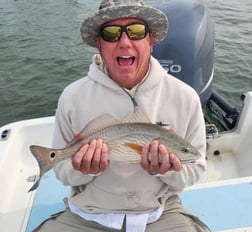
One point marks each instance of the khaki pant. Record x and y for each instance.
(174, 219)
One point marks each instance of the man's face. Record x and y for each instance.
(127, 60)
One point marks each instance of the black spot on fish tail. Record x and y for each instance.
(45, 158)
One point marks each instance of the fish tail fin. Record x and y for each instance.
(44, 157)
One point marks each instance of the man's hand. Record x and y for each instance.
(91, 158)
(156, 159)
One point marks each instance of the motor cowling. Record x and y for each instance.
(187, 52)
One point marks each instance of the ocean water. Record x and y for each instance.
(41, 51)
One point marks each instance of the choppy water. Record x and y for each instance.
(41, 52)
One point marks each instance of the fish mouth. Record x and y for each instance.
(126, 60)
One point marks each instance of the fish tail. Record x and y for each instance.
(44, 157)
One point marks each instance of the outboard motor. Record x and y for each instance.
(187, 52)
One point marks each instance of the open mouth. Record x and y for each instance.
(125, 60)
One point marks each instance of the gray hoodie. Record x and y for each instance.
(128, 188)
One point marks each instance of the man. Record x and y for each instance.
(141, 196)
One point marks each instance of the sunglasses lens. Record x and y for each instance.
(113, 33)
(136, 31)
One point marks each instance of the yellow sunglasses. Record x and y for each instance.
(113, 33)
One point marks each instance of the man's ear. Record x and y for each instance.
(150, 38)
(98, 43)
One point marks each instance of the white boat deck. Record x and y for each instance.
(222, 206)
(224, 202)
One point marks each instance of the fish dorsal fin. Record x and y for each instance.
(99, 123)
(106, 120)
(96, 124)
(137, 116)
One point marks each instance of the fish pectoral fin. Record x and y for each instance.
(136, 147)
(133, 161)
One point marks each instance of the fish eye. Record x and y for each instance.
(185, 149)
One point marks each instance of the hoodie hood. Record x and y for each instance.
(98, 73)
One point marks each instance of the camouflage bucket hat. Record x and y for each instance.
(114, 9)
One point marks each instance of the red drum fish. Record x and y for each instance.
(125, 140)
